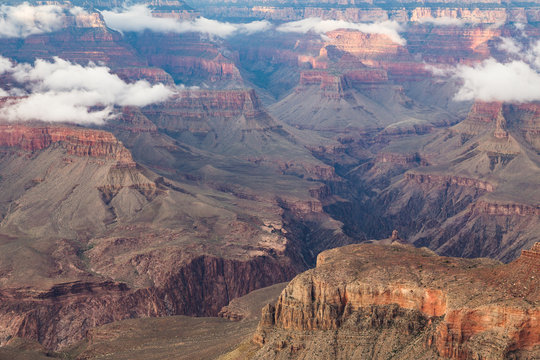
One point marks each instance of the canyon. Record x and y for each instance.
(273, 148)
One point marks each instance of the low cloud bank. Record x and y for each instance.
(60, 91)
(490, 80)
(516, 80)
(139, 18)
(320, 26)
(24, 20)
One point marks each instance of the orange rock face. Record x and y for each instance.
(76, 141)
(365, 46)
(453, 308)
(531, 258)
(451, 44)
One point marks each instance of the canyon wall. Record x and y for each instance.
(201, 286)
(398, 301)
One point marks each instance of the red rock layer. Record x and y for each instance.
(77, 141)
(451, 44)
(531, 258)
(466, 308)
(152, 75)
(364, 46)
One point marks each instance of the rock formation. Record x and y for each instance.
(400, 302)
(76, 141)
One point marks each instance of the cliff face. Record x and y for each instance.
(204, 104)
(200, 286)
(350, 11)
(76, 141)
(451, 44)
(364, 46)
(79, 43)
(187, 57)
(400, 302)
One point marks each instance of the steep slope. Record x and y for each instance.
(398, 302)
(481, 183)
(470, 190)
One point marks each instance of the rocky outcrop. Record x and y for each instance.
(364, 46)
(506, 209)
(400, 302)
(330, 85)
(525, 118)
(400, 159)
(201, 104)
(531, 258)
(76, 141)
(447, 180)
(481, 117)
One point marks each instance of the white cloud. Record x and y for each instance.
(510, 46)
(442, 21)
(517, 80)
(60, 91)
(138, 18)
(532, 55)
(24, 20)
(490, 80)
(5, 65)
(440, 70)
(320, 26)
(519, 26)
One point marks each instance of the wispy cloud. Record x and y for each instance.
(443, 21)
(24, 20)
(320, 26)
(510, 46)
(60, 91)
(138, 18)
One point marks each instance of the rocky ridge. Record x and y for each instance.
(76, 141)
(400, 302)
